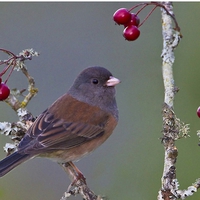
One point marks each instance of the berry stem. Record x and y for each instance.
(13, 66)
(141, 9)
(157, 4)
(10, 62)
(8, 52)
(140, 4)
(148, 16)
(6, 68)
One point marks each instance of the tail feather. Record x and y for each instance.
(12, 161)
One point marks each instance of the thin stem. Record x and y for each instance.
(8, 52)
(10, 62)
(141, 9)
(5, 70)
(10, 72)
(140, 4)
(148, 15)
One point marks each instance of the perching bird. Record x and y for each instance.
(74, 125)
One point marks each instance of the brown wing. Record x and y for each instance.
(52, 132)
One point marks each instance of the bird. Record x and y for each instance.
(74, 125)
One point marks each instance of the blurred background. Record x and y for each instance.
(72, 36)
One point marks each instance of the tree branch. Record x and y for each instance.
(173, 128)
(170, 134)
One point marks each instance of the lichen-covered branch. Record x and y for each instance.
(17, 130)
(169, 182)
(173, 128)
(18, 64)
(79, 184)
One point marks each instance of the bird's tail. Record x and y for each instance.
(12, 161)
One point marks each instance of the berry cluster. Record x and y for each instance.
(4, 91)
(130, 21)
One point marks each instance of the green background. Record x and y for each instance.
(72, 36)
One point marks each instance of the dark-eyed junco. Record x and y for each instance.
(74, 125)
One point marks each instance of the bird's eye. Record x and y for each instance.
(95, 81)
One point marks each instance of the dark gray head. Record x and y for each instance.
(95, 86)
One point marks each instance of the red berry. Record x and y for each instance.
(4, 91)
(131, 33)
(122, 16)
(198, 111)
(135, 20)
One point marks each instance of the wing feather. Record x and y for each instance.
(49, 132)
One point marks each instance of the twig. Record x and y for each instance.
(80, 185)
(17, 62)
(17, 130)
